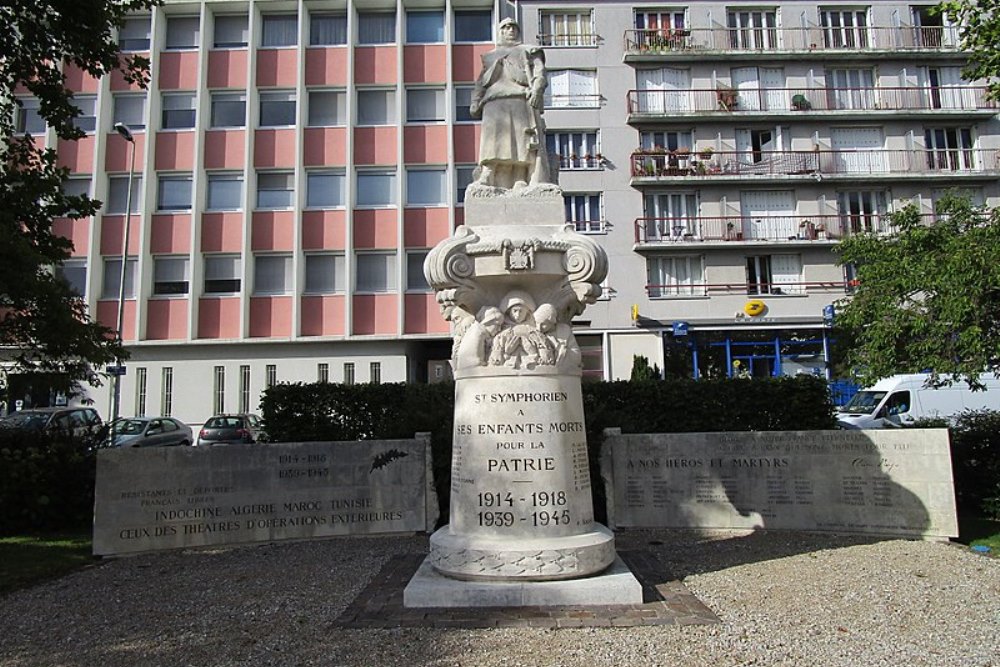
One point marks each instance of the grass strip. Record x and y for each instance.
(26, 560)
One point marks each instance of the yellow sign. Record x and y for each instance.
(754, 307)
(635, 312)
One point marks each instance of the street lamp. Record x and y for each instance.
(126, 134)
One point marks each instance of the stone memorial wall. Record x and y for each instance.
(871, 482)
(174, 497)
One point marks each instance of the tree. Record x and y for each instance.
(927, 297)
(979, 32)
(44, 325)
(642, 371)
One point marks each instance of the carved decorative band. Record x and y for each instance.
(524, 564)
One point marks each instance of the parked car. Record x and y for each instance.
(78, 422)
(229, 430)
(149, 432)
(903, 399)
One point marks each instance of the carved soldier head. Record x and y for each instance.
(546, 318)
(509, 32)
(518, 306)
(491, 318)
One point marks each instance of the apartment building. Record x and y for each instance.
(294, 161)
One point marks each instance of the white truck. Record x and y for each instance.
(903, 399)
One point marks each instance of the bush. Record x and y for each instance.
(975, 461)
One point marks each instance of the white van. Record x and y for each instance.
(903, 399)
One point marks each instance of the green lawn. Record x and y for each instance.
(28, 560)
(979, 532)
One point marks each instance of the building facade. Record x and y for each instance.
(295, 162)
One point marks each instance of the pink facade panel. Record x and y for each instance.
(166, 319)
(375, 145)
(118, 152)
(271, 316)
(466, 60)
(174, 151)
(375, 64)
(222, 232)
(375, 228)
(323, 315)
(277, 67)
(170, 234)
(224, 149)
(325, 147)
(119, 84)
(425, 227)
(78, 155)
(375, 314)
(178, 70)
(326, 66)
(425, 144)
(425, 63)
(219, 318)
(79, 81)
(77, 231)
(227, 69)
(273, 230)
(467, 143)
(107, 314)
(324, 230)
(422, 315)
(112, 234)
(459, 217)
(274, 148)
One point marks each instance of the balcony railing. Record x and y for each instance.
(756, 100)
(810, 38)
(568, 39)
(685, 229)
(815, 163)
(751, 289)
(578, 162)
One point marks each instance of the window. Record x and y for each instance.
(277, 109)
(140, 392)
(74, 273)
(681, 275)
(325, 189)
(376, 188)
(473, 25)
(463, 99)
(375, 372)
(174, 193)
(426, 187)
(949, 148)
(244, 389)
(753, 29)
(376, 107)
(118, 194)
(324, 274)
(76, 186)
(327, 108)
(668, 141)
(87, 120)
(28, 120)
(575, 150)
(275, 190)
(416, 281)
(279, 30)
(113, 277)
(270, 375)
(670, 215)
(376, 272)
(225, 192)
(327, 29)
(463, 178)
(424, 105)
(178, 111)
(272, 274)
(376, 28)
(774, 274)
(851, 89)
(862, 211)
(844, 28)
(231, 32)
(183, 32)
(229, 110)
(585, 211)
(323, 372)
(134, 34)
(660, 19)
(348, 372)
(219, 390)
(170, 275)
(571, 88)
(222, 274)
(566, 29)
(130, 110)
(167, 391)
(425, 27)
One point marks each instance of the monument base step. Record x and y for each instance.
(616, 585)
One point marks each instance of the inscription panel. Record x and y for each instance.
(174, 497)
(880, 482)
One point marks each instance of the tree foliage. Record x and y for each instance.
(979, 31)
(928, 297)
(44, 325)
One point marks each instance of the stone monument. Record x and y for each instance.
(510, 281)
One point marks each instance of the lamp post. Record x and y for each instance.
(126, 134)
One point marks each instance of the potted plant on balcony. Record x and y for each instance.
(706, 153)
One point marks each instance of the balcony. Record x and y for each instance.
(656, 167)
(674, 232)
(800, 288)
(727, 103)
(671, 44)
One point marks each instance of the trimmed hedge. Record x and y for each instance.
(975, 461)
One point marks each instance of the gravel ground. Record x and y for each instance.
(783, 598)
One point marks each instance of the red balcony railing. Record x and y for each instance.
(681, 229)
(750, 100)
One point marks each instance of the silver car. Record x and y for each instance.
(149, 432)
